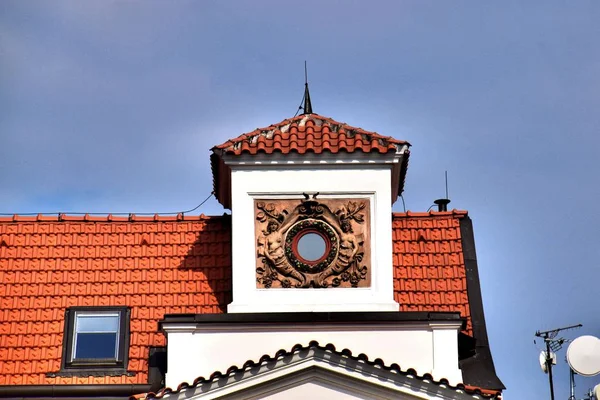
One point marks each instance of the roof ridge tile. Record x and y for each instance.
(132, 217)
(419, 214)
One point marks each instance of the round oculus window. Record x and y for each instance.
(311, 245)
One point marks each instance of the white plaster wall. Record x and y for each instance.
(194, 352)
(314, 390)
(319, 390)
(358, 181)
(443, 335)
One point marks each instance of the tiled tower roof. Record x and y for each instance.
(304, 134)
(310, 133)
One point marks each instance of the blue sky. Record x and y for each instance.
(113, 106)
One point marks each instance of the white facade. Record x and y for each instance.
(340, 176)
(198, 350)
(314, 371)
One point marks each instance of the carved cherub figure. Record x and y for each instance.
(348, 249)
(274, 243)
(275, 253)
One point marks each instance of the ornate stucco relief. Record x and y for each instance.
(336, 248)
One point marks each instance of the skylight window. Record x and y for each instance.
(96, 338)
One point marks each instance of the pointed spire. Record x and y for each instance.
(307, 108)
(307, 105)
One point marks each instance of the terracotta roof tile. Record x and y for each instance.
(429, 270)
(309, 133)
(153, 265)
(304, 134)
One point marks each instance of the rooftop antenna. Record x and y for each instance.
(553, 345)
(443, 203)
(307, 108)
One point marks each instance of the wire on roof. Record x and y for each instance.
(117, 213)
(300, 106)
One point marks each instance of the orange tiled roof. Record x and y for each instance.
(310, 133)
(429, 273)
(155, 265)
(166, 265)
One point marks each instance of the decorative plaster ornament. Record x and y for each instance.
(316, 243)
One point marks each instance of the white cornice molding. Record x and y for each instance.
(172, 327)
(344, 158)
(437, 325)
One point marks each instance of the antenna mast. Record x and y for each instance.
(307, 109)
(443, 203)
(446, 175)
(553, 344)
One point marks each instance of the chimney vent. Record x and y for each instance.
(442, 204)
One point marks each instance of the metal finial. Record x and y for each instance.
(307, 109)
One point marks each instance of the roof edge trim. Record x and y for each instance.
(478, 370)
(312, 317)
(322, 158)
(36, 391)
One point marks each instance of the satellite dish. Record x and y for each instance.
(583, 356)
(543, 360)
(597, 392)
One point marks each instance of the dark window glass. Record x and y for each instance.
(96, 345)
(96, 335)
